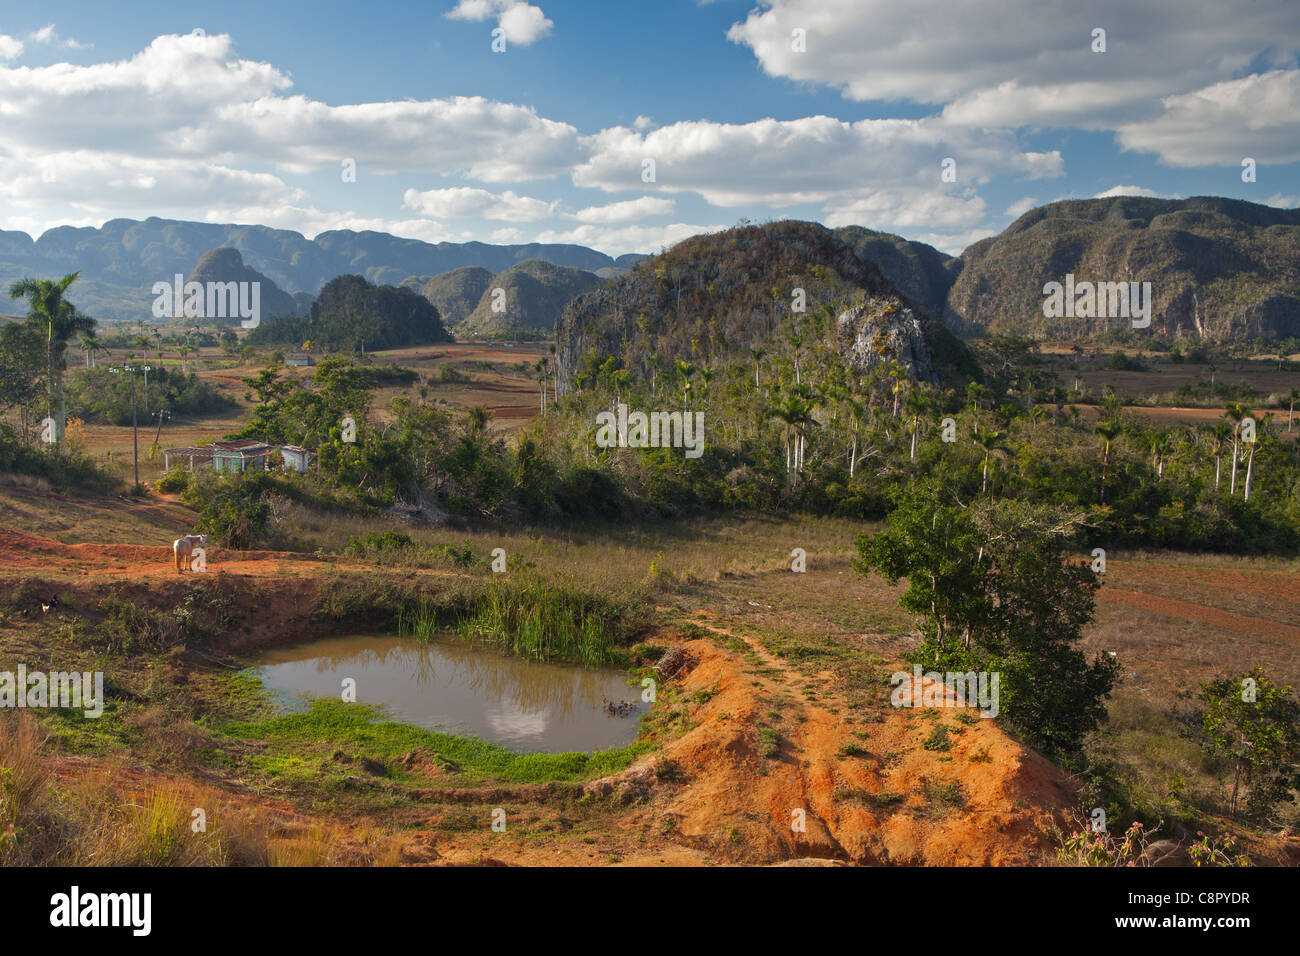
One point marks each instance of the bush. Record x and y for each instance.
(233, 509)
(174, 481)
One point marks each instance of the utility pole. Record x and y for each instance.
(135, 428)
(161, 413)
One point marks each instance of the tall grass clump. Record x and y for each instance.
(419, 620)
(543, 620)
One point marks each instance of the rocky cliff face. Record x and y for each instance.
(875, 333)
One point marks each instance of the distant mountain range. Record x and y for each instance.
(121, 260)
(1220, 269)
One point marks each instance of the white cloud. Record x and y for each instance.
(1279, 201)
(520, 22)
(1129, 191)
(616, 240)
(1253, 116)
(94, 181)
(810, 160)
(909, 209)
(463, 202)
(191, 96)
(10, 48)
(627, 211)
(47, 34)
(1019, 62)
(953, 243)
(1020, 207)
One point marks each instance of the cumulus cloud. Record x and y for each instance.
(627, 211)
(1020, 207)
(90, 180)
(1018, 62)
(192, 96)
(808, 160)
(616, 240)
(1130, 191)
(49, 35)
(10, 48)
(1279, 201)
(521, 23)
(1253, 116)
(464, 202)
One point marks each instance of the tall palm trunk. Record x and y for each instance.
(1250, 464)
(1233, 487)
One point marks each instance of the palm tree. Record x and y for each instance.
(1109, 431)
(917, 405)
(1250, 462)
(796, 415)
(687, 370)
(1235, 413)
(796, 341)
(856, 408)
(706, 376)
(974, 392)
(540, 369)
(1218, 445)
(1290, 415)
(758, 362)
(1158, 445)
(899, 374)
(47, 304)
(88, 344)
(988, 441)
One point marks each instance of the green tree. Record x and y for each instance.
(47, 306)
(1253, 726)
(997, 591)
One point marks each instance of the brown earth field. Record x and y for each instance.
(779, 713)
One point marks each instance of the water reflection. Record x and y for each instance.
(450, 685)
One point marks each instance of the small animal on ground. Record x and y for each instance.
(184, 549)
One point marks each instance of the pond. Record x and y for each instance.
(452, 686)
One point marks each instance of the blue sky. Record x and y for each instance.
(123, 110)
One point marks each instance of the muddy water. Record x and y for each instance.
(448, 685)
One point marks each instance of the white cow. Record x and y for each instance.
(184, 549)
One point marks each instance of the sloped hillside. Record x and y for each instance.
(1220, 269)
(532, 294)
(455, 293)
(917, 270)
(227, 265)
(722, 294)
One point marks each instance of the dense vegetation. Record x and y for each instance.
(352, 315)
(101, 397)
